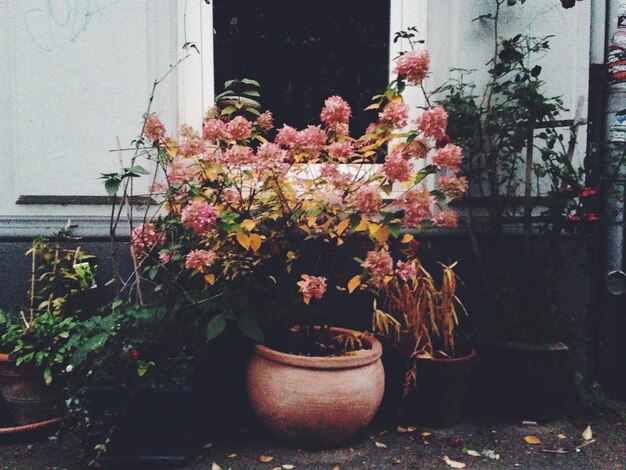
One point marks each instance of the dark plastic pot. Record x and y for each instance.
(441, 389)
(527, 381)
(155, 425)
(27, 399)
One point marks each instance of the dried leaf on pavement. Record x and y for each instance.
(265, 458)
(288, 466)
(532, 440)
(380, 445)
(473, 453)
(453, 463)
(587, 434)
(215, 466)
(561, 436)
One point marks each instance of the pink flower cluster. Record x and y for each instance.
(416, 205)
(433, 122)
(449, 157)
(395, 114)
(199, 216)
(154, 129)
(239, 155)
(144, 238)
(270, 157)
(341, 150)
(445, 219)
(334, 175)
(287, 136)
(379, 263)
(190, 143)
(335, 111)
(200, 259)
(396, 167)
(407, 270)
(178, 172)
(313, 287)
(452, 186)
(214, 129)
(239, 128)
(413, 65)
(367, 199)
(265, 121)
(311, 140)
(418, 148)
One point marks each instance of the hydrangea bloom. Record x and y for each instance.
(334, 175)
(239, 128)
(448, 157)
(239, 155)
(329, 196)
(407, 270)
(396, 167)
(379, 263)
(190, 143)
(416, 205)
(178, 172)
(335, 111)
(270, 157)
(367, 199)
(313, 287)
(341, 150)
(214, 129)
(445, 219)
(230, 195)
(312, 140)
(199, 216)
(265, 121)
(154, 129)
(413, 65)
(200, 259)
(394, 113)
(433, 122)
(416, 149)
(452, 186)
(144, 238)
(287, 136)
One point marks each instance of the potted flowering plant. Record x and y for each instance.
(251, 216)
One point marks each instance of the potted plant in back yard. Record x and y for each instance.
(266, 222)
(37, 345)
(420, 322)
(530, 214)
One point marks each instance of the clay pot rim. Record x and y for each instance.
(451, 360)
(4, 357)
(556, 346)
(359, 358)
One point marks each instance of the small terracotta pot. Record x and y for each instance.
(27, 398)
(441, 389)
(316, 401)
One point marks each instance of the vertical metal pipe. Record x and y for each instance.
(612, 327)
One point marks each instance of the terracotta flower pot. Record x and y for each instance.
(441, 389)
(26, 397)
(316, 401)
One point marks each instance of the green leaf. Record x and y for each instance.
(138, 169)
(47, 376)
(215, 327)
(249, 81)
(250, 327)
(112, 187)
(423, 173)
(228, 110)
(254, 93)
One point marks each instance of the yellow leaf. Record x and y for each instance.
(587, 434)
(342, 226)
(243, 239)
(382, 235)
(248, 224)
(265, 458)
(287, 466)
(380, 445)
(372, 106)
(426, 434)
(411, 429)
(306, 299)
(533, 440)
(210, 278)
(407, 237)
(561, 436)
(255, 242)
(453, 463)
(354, 283)
(362, 227)
(373, 228)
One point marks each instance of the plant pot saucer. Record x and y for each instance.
(29, 427)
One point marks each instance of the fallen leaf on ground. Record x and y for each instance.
(265, 458)
(380, 445)
(397, 461)
(561, 436)
(426, 434)
(490, 454)
(453, 463)
(208, 445)
(454, 441)
(401, 429)
(529, 423)
(532, 440)
(411, 429)
(383, 433)
(473, 453)
(288, 466)
(336, 467)
(231, 456)
(587, 434)
(215, 466)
